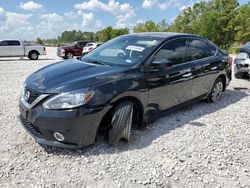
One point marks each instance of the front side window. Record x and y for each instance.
(200, 49)
(123, 51)
(174, 51)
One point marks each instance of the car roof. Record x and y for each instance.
(162, 35)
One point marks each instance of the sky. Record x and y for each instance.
(29, 20)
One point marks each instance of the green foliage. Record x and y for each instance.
(221, 21)
(242, 23)
(39, 41)
(150, 26)
(109, 33)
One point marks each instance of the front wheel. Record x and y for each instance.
(217, 90)
(69, 55)
(121, 122)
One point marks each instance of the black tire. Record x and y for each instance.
(33, 55)
(216, 91)
(68, 55)
(121, 122)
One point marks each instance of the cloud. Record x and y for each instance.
(70, 15)
(123, 11)
(3, 15)
(89, 23)
(53, 17)
(169, 3)
(31, 6)
(148, 4)
(185, 6)
(10, 21)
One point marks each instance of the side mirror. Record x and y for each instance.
(161, 64)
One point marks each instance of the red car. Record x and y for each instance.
(74, 49)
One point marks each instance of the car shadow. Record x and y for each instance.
(144, 136)
(26, 59)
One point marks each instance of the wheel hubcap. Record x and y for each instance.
(217, 91)
(33, 56)
(70, 55)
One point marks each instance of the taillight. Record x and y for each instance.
(229, 60)
(90, 49)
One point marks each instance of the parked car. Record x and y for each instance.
(16, 48)
(74, 49)
(242, 65)
(245, 48)
(89, 47)
(67, 103)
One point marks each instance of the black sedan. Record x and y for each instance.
(132, 79)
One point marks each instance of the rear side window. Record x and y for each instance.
(82, 44)
(14, 43)
(174, 51)
(200, 49)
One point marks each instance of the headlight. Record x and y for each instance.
(22, 91)
(69, 100)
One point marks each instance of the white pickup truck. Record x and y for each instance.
(16, 48)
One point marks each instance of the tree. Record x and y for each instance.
(242, 21)
(162, 26)
(148, 26)
(212, 19)
(109, 33)
(39, 41)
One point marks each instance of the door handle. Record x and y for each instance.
(187, 75)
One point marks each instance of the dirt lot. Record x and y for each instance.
(203, 145)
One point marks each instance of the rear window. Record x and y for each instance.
(14, 43)
(200, 49)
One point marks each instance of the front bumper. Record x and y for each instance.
(79, 126)
(60, 54)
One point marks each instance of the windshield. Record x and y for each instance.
(247, 45)
(89, 44)
(123, 51)
(73, 44)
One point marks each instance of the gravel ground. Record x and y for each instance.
(203, 145)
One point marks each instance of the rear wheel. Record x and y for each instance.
(121, 122)
(33, 55)
(217, 90)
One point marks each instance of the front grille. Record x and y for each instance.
(34, 128)
(32, 97)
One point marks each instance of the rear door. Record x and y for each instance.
(78, 48)
(205, 66)
(16, 49)
(173, 85)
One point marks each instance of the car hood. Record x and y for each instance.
(71, 75)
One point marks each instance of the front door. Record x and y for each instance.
(172, 85)
(4, 48)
